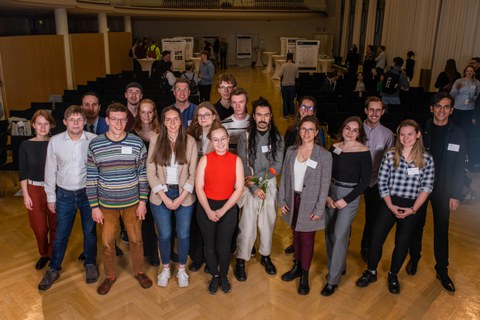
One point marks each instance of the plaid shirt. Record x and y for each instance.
(398, 182)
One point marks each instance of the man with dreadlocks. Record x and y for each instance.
(261, 151)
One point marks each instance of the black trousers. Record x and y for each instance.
(217, 237)
(441, 219)
(403, 235)
(149, 234)
(372, 205)
(197, 248)
(204, 91)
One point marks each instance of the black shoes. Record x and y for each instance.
(213, 285)
(393, 284)
(366, 278)
(194, 266)
(328, 290)
(411, 267)
(239, 271)
(303, 288)
(290, 249)
(269, 267)
(447, 283)
(225, 285)
(295, 272)
(41, 263)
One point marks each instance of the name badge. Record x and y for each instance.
(311, 163)
(188, 123)
(379, 147)
(126, 150)
(467, 101)
(453, 147)
(337, 150)
(266, 149)
(413, 171)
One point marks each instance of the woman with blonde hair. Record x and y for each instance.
(405, 180)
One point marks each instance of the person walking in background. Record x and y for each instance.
(410, 65)
(219, 184)
(302, 196)
(405, 180)
(172, 160)
(288, 75)
(32, 158)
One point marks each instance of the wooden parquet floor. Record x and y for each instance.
(262, 296)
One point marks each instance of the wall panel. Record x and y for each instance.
(88, 57)
(33, 68)
(119, 44)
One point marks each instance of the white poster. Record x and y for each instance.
(307, 55)
(188, 45)
(177, 50)
(244, 46)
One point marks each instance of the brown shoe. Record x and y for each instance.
(106, 285)
(144, 280)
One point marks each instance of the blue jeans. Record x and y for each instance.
(288, 96)
(163, 221)
(66, 206)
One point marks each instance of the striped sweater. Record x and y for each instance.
(116, 172)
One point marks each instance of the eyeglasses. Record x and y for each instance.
(122, 120)
(307, 108)
(76, 120)
(205, 115)
(309, 130)
(445, 107)
(226, 88)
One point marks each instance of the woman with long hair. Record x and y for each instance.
(146, 126)
(405, 180)
(448, 76)
(33, 155)
(172, 159)
(204, 119)
(351, 172)
(219, 184)
(304, 185)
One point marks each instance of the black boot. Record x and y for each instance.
(303, 287)
(239, 271)
(268, 264)
(295, 272)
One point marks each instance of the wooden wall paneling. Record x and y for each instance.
(119, 44)
(33, 69)
(88, 57)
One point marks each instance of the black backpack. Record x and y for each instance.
(391, 81)
(192, 85)
(165, 87)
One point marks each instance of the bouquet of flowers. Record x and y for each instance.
(262, 183)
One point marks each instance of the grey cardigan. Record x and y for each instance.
(315, 189)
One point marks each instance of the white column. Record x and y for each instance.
(370, 30)
(103, 28)
(127, 24)
(344, 44)
(61, 25)
(358, 23)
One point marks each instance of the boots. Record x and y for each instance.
(303, 288)
(295, 272)
(239, 271)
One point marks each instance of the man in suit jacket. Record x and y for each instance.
(91, 106)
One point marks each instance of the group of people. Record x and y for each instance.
(208, 176)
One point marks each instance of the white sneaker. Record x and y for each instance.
(162, 279)
(182, 278)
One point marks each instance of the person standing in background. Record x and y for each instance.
(288, 75)
(207, 72)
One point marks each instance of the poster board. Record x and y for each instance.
(177, 52)
(288, 44)
(244, 46)
(188, 46)
(307, 55)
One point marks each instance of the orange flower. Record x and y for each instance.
(272, 170)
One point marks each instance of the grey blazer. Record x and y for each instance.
(315, 189)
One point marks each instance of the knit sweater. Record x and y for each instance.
(116, 172)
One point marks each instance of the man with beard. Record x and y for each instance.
(133, 94)
(91, 107)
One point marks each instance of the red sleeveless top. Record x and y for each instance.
(220, 175)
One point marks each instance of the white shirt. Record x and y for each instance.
(299, 169)
(66, 163)
(236, 127)
(172, 171)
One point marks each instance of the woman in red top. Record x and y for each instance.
(219, 183)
